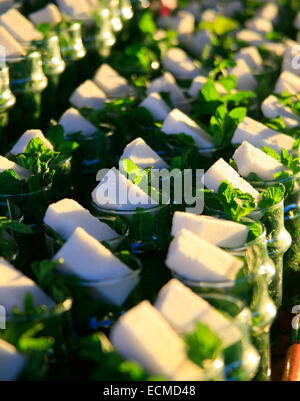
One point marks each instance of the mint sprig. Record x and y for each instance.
(236, 204)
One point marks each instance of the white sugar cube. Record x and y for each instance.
(189, 372)
(19, 26)
(222, 171)
(74, 122)
(24, 140)
(251, 57)
(177, 122)
(250, 159)
(180, 64)
(11, 362)
(223, 233)
(259, 25)
(260, 135)
(75, 9)
(250, 37)
(198, 83)
(88, 94)
(113, 84)
(272, 108)
(82, 255)
(47, 15)
(289, 82)
(180, 306)
(142, 335)
(182, 23)
(276, 48)
(198, 260)
(142, 155)
(245, 79)
(182, 309)
(67, 215)
(269, 12)
(208, 15)
(116, 192)
(14, 287)
(11, 47)
(197, 43)
(167, 83)
(21, 172)
(156, 106)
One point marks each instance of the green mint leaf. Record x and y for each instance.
(272, 196)
(56, 136)
(236, 204)
(147, 24)
(10, 184)
(209, 91)
(271, 152)
(203, 344)
(255, 230)
(45, 29)
(228, 82)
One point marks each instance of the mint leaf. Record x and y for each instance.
(228, 82)
(277, 124)
(45, 29)
(56, 136)
(15, 226)
(10, 184)
(236, 204)
(217, 123)
(255, 230)
(223, 124)
(271, 152)
(203, 344)
(224, 25)
(232, 120)
(186, 139)
(220, 26)
(147, 24)
(272, 196)
(209, 91)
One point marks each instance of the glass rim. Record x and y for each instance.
(116, 212)
(46, 188)
(48, 231)
(214, 285)
(272, 182)
(229, 298)
(31, 53)
(248, 244)
(134, 273)
(58, 310)
(257, 210)
(52, 35)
